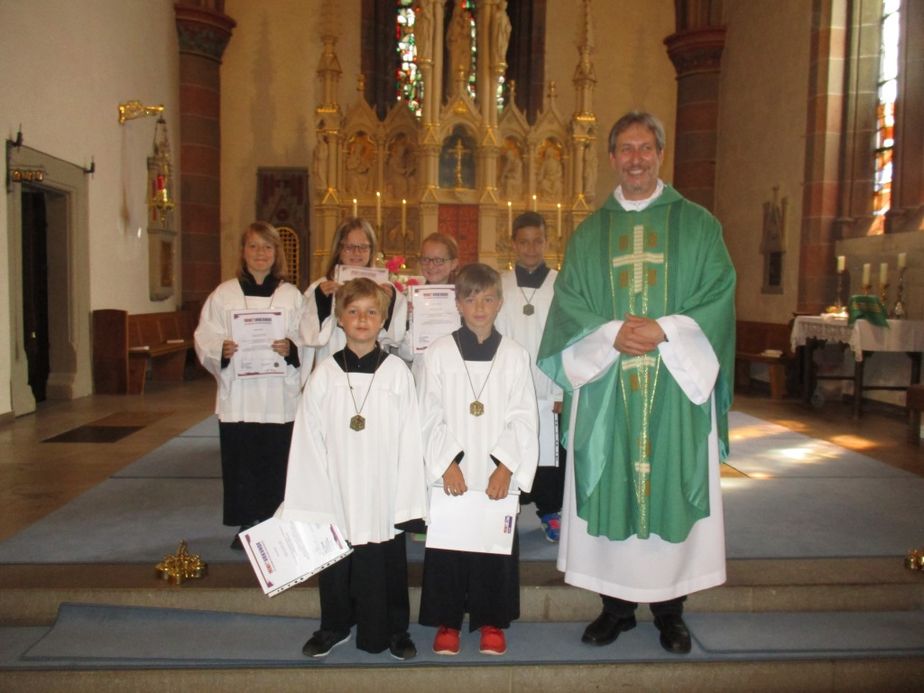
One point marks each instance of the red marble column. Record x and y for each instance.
(696, 54)
(203, 31)
(823, 138)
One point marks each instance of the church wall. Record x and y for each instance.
(632, 68)
(762, 120)
(67, 66)
(269, 92)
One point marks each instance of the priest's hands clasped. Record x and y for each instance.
(638, 335)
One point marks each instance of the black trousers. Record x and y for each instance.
(486, 585)
(548, 487)
(367, 588)
(620, 608)
(254, 459)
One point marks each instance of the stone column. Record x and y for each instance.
(696, 54)
(907, 210)
(823, 154)
(203, 31)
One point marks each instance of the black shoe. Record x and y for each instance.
(607, 628)
(402, 647)
(675, 637)
(236, 542)
(323, 641)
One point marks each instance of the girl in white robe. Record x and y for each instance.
(255, 414)
(354, 244)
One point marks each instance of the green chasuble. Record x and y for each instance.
(640, 446)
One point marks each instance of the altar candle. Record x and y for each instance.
(841, 263)
(355, 208)
(559, 219)
(902, 260)
(509, 218)
(865, 281)
(883, 273)
(535, 204)
(403, 217)
(378, 208)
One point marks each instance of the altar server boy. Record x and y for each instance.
(528, 289)
(356, 459)
(478, 407)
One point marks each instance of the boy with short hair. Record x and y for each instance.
(528, 289)
(478, 408)
(356, 460)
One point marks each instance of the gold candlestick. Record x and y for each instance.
(898, 310)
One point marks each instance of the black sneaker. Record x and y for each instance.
(323, 641)
(402, 647)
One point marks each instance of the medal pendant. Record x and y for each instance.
(476, 408)
(357, 423)
(529, 309)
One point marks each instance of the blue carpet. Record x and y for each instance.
(139, 636)
(805, 498)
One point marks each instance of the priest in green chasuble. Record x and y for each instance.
(640, 336)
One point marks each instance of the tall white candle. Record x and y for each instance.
(378, 209)
(902, 260)
(355, 208)
(535, 203)
(403, 217)
(883, 273)
(559, 218)
(865, 281)
(841, 262)
(509, 218)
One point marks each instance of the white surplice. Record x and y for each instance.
(327, 337)
(366, 481)
(527, 330)
(508, 429)
(647, 570)
(256, 400)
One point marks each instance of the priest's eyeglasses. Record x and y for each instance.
(435, 261)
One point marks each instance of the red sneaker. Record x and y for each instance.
(446, 641)
(492, 641)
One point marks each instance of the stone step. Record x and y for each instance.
(30, 594)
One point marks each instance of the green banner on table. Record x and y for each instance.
(870, 308)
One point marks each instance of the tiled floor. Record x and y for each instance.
(36, 477)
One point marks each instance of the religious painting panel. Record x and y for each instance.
(510, 171)
(401, 167)
(359, 163)
(550, 170)
(457, 160)
(282, 200)
(461, 222)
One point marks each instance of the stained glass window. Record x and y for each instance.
(409, 84)
(885, 107)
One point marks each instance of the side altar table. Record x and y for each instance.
(864, 340)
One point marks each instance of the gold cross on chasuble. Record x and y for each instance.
(638, 257)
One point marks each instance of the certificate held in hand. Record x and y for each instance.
(254, 331)
(284, 553)
(472, 522)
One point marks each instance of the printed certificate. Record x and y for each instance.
(344, 273)
(255, 331)
(434, 314)
(284, 554)
(472, 522)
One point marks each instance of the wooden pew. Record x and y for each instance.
(753, 341)
(124, 345)
(915, 404)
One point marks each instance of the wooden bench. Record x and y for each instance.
(766, 343)
(124, 345)
(914, 404)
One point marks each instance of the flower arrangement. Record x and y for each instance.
(394, 265)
